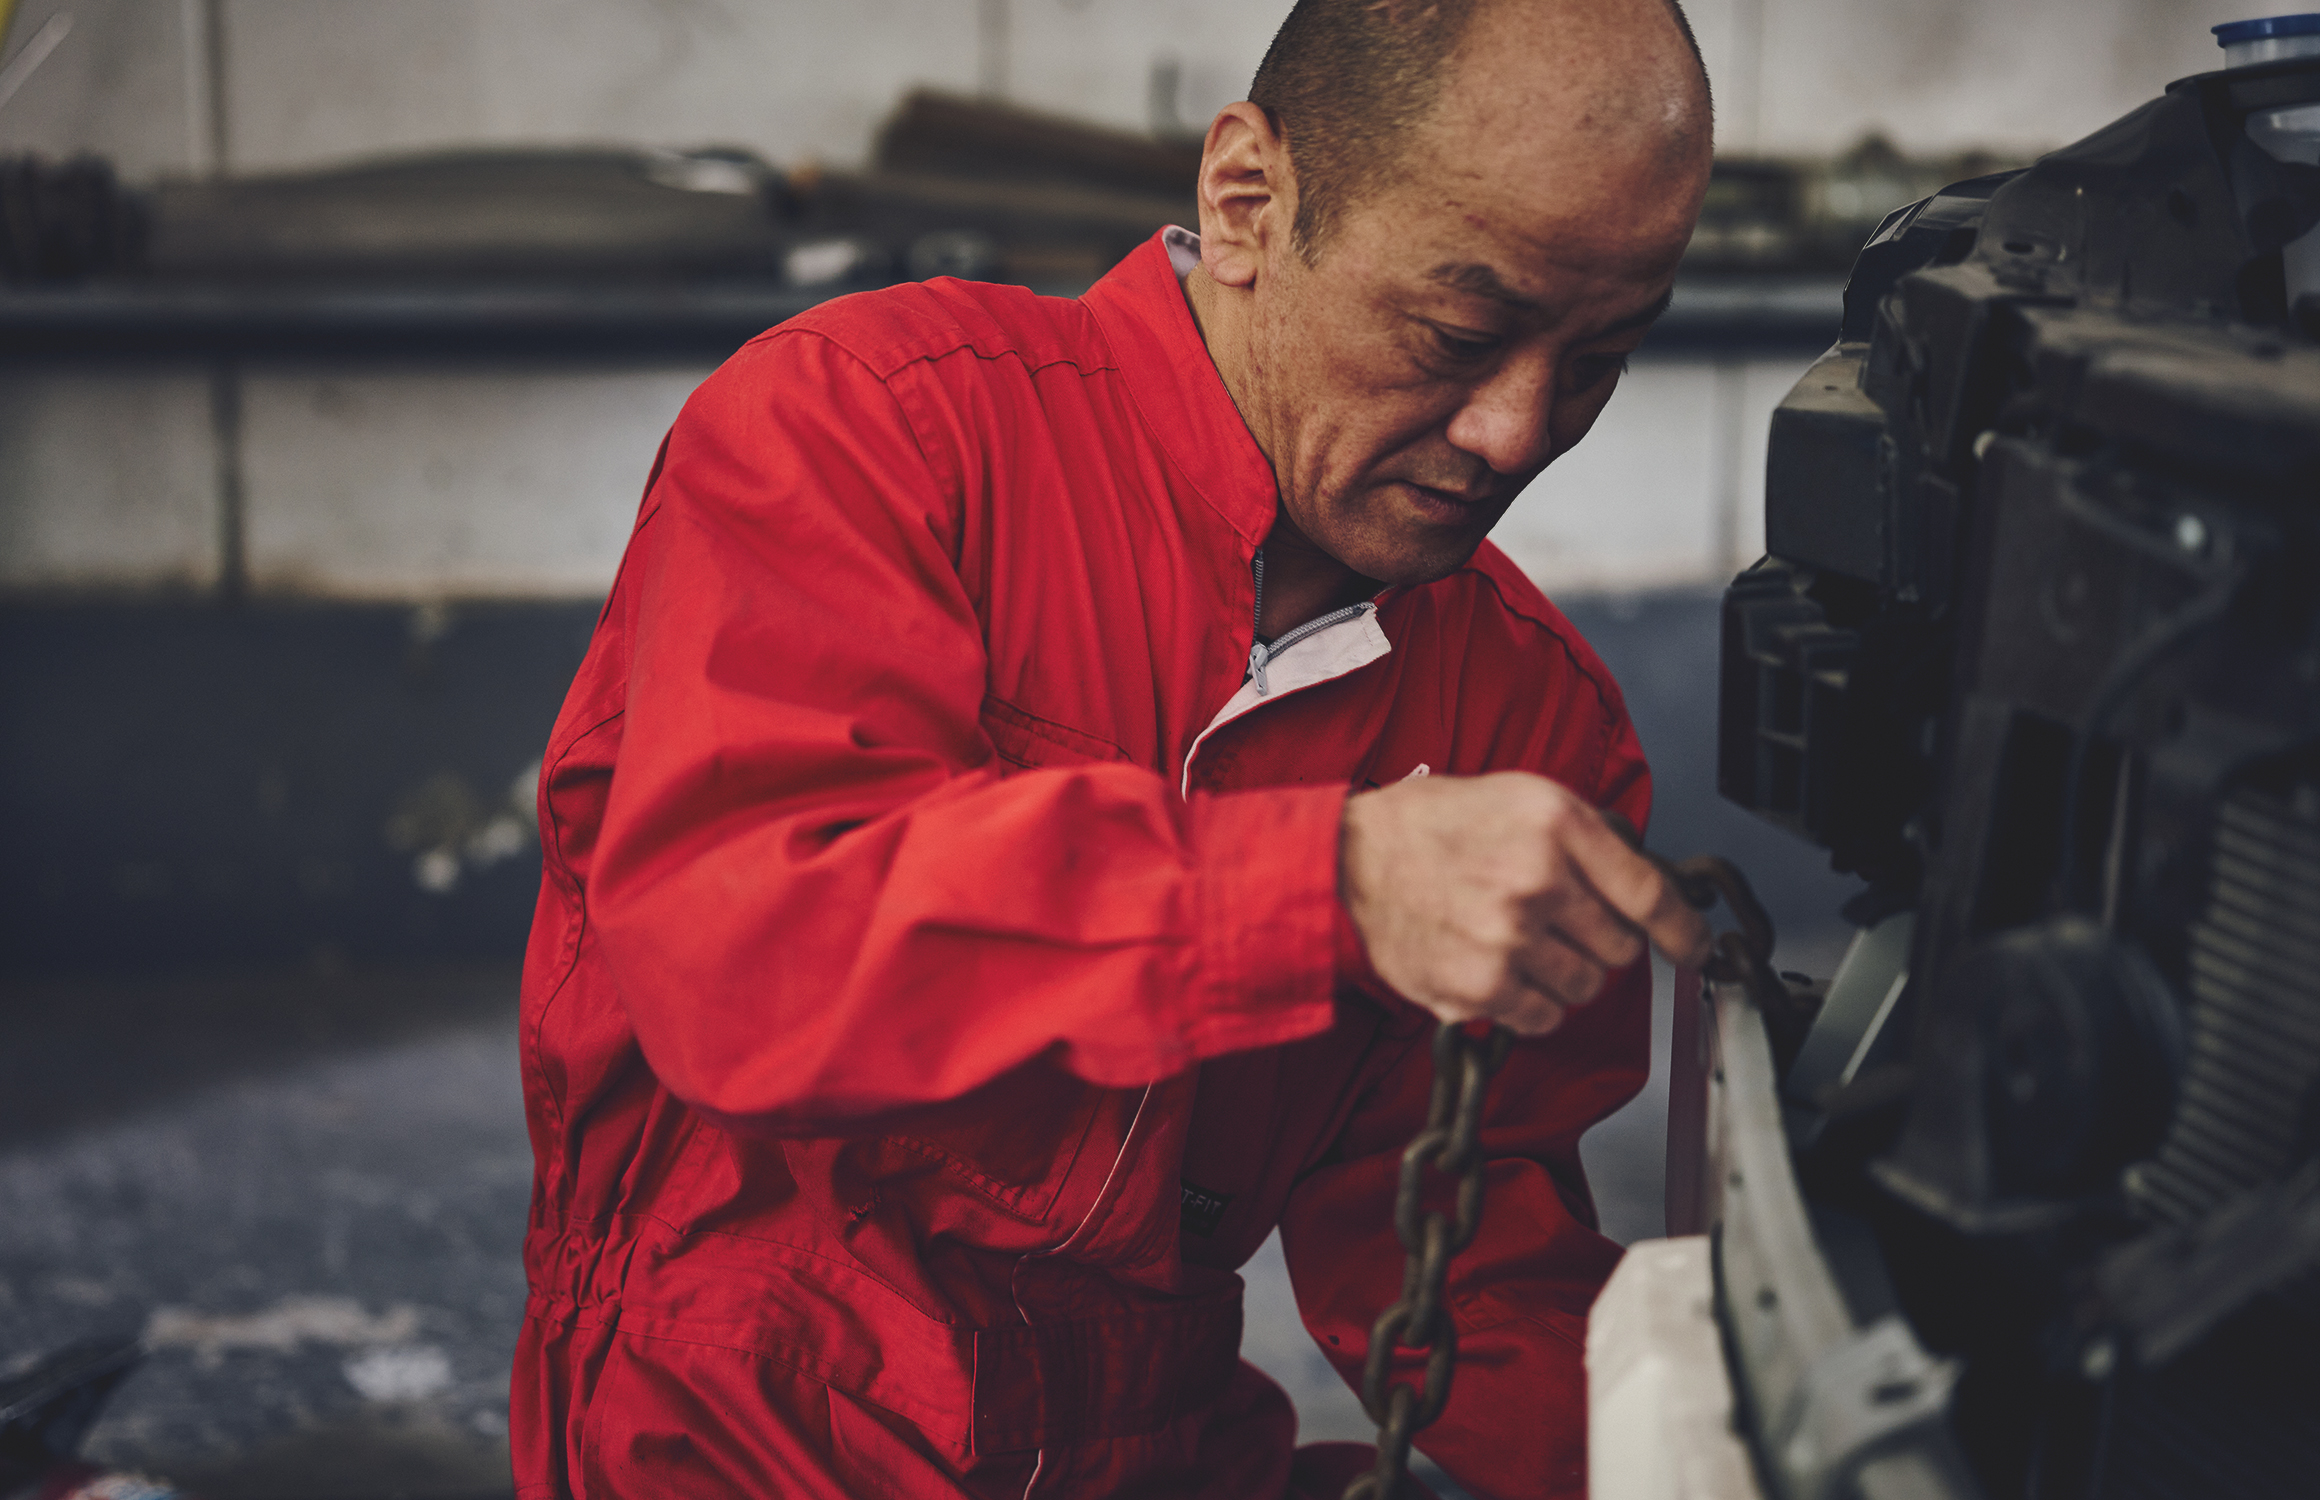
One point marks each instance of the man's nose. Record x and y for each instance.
(1505, 419)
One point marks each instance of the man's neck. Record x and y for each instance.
(1302, 582)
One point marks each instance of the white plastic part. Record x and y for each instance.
(1659, 1404)
(2264, 49)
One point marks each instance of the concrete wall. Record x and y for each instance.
(445, 483)
(1668, 490)
(108, 479)
(417, 483)
(314, 79)
(309, 80)
(406, 483)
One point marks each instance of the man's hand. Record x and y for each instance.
(1502, 897)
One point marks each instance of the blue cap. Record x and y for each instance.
(2232, 33)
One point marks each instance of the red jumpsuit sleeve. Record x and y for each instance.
(1516, 1425)
(818, 897)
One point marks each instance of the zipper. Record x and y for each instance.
(1262, 651)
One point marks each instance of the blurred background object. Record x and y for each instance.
(335, 344)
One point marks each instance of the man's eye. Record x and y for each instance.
(1464, 346)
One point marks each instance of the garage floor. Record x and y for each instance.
(306, 1187)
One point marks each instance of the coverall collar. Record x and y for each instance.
(1165, 365)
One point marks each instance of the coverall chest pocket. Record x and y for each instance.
(1025, 741)
(1013, 1144)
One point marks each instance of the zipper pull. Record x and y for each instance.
(1259, 652)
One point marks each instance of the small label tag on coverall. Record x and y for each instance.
(1203, 1210)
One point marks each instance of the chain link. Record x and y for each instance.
(1419, 1320)
(1743, 956)
(1451, 1145)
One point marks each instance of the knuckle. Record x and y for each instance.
(1472, 978)
(1496, 930)
(1537, 799)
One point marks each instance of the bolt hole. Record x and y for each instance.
(1893, 1392)
(2017, 247)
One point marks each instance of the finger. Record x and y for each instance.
(1525, 1009)
(1565, 973)
(1677, 929)
(1575, 912)
(1638, 891)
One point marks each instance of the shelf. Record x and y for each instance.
(633, 322)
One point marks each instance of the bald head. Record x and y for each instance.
(1354, 86)
(1429, 241)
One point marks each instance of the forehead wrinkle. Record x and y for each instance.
(1477, 279)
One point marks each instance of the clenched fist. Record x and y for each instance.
(1502, 897)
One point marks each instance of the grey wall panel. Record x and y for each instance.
(107, 479)
(423, 483)
(1666, 491)
(311, 80)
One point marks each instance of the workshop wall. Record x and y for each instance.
(431, 483)
(108, 480)
(417, 484)
(311, 80)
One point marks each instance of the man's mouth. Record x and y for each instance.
(1445, 505)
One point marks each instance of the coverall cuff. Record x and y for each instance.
(1268, 909)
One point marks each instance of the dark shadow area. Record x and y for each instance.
(196, 783)
(84, 1050)
(306, 1191)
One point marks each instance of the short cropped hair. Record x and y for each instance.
(1347, 82)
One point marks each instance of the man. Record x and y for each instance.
(967, 929)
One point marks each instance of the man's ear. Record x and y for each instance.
(1248, 196)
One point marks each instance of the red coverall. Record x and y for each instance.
(910, 1058)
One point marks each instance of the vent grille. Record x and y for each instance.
(2254, 1059)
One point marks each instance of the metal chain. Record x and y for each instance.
(1450, 1144)
(1420, 1321)
(1743, 956)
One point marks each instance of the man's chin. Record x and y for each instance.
(1419, 535)
(1410, 562)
